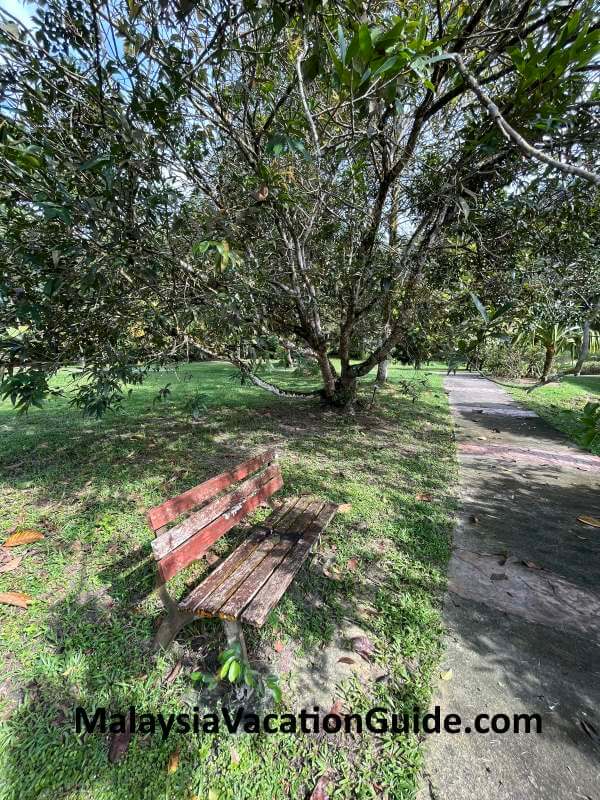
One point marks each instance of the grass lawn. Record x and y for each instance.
(86, 484)
(561, 404)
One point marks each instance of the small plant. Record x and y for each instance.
(413, 388)
(196, 405)
(162, 394)
(237, 671)
(589, 424)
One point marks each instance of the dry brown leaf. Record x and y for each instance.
(352, 564)
(278, 646)
(211, 558)
(333, 575)
(446, 675)
(11, 565)
(173, 762)
(320, 790)
(531, 565)
(235, 756)
(424, 497)
(173, 673)
(346, 660)
(343, 508)
(15, 599)
(25, 536)
(585, 519)
(363, 646)
(262, 193)
(336, 708)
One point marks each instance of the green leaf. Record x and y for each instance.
(311, 66)
(234, 671)
(54, 211)
(365, 45)
(103, 158)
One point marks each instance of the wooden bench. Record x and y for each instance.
(249, 583)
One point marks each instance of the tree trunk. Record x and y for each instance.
(382, 371)
(288, 358)
(550, 351)
(345, 392)
(328, 375)
(585, 348)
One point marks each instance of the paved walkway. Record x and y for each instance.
(523, 608)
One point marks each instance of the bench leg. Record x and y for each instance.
(169, 628)
(234, 634)
(172, 623)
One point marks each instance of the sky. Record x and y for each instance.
(19, 9)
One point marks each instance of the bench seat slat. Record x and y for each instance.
(238, 601)
(197, 545)
(239, 555)
(265, 600)
(169, 540)
(168, 511)
(255, 576)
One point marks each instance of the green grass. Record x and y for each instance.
(86, 485)
(561, 404)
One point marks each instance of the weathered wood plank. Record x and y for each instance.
(169, 510)
(223, 570)
(175, 537)
(253, 582)
(279, 513)
(292, 519)
(257, 611)
(212, 582)
(273, 548)
(197, 545)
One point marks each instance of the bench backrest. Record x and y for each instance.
(213, 513)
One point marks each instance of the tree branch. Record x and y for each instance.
(512, 134)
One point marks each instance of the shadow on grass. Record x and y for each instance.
(88, 485)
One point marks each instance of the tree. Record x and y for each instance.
(219, 174)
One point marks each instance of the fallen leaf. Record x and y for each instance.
(213, 795)
(15, 599)
(25, 536)
(587, 520)
(446, 675)
(11, 565)
(346, 660)
(363, 646)
(473, 518)
(211, 558)
(352, 564)
(173, 673)
(320, 790)
(343, 508)
(278, 646)
(424, 497)
(332, 575)
(498, 576)
(173, 762)
(531, 565)
(235, 756)
(262, 193)
(336, 708)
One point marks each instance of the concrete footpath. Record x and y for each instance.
(523, 608)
